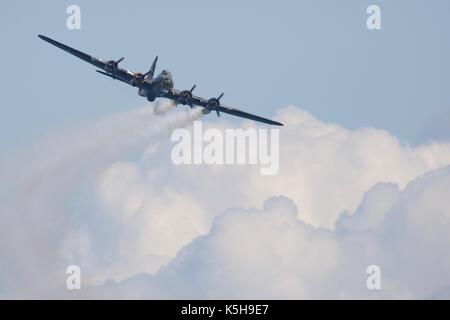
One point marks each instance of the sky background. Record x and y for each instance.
(86, 176)
(264, 55)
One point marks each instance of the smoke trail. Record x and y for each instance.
(33, 214)
(164, 107)
(99, 141)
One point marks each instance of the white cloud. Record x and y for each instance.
(268, 253)
(154, 222)
(37, 186)
(349, 198)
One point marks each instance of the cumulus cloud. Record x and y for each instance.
(268, 253)
(38, 185)
(343, 200)
(154, 222)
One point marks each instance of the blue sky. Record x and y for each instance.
(264, 55)
(98, 188)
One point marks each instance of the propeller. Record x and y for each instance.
(186, 96)
(214, 103)
(138, 79)
(113, 65)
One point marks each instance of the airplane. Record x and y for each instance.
(159, 86)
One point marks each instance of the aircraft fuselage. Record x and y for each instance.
(156, 87)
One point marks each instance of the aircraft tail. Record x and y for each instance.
(151, 72)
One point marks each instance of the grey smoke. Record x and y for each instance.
(163, 107)
(37, 183)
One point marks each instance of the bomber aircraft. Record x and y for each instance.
(160, 86)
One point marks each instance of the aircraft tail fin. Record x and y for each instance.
(151, 72)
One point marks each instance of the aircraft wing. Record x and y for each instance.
(119, 74)
(218, 108)
(246, 115)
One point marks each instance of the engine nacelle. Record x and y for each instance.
(206, 111)
(214, 104)
(111, 66)
(185, 97)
